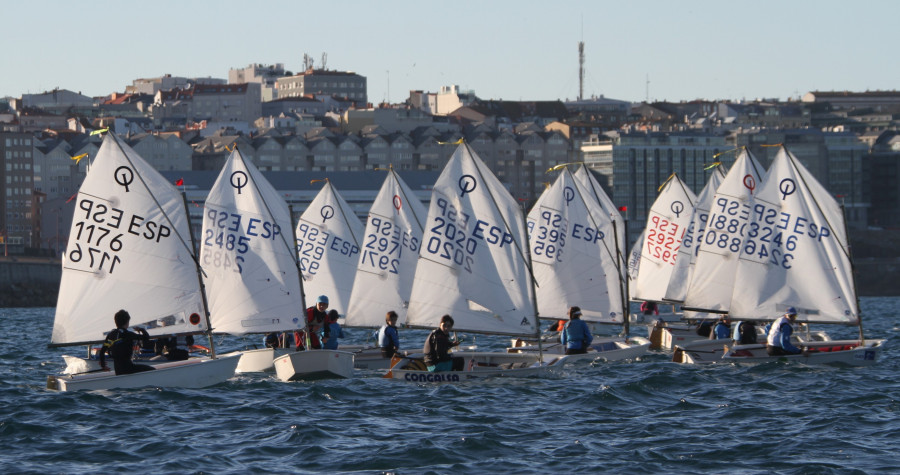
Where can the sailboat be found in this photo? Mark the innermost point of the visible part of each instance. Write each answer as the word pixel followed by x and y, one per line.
pixel 328 243
pixel 668 221
pixel 328 246
pixel 576 261
pixel 669 333
pixel 474 266
pixel 387 263
pixel 715 257
pixel 130 247
pixel 247 253
pixel 795 253
pixel 667 224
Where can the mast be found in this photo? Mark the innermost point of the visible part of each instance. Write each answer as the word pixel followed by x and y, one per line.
pixel 862 337
pixel 300 274
pixel 623 281
pixel 537 321
pixel 212 345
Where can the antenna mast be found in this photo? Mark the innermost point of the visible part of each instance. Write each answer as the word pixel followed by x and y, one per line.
pixel 581 70
pixel 647 99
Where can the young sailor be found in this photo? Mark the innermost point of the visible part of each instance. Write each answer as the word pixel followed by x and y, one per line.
pixel 778 341
pixel 120 344
pixel 333 331
pixel 437 348
pixel 576 336
pixel 388 336
pixel 744 333
pixel 316 318
pixel 722 330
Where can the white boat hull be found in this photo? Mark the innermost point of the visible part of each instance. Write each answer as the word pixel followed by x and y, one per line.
pixel 259 360
pixel 77 364
pixel 192 373
pixel 711 351
pixel 847 352
pixel 370 358
pixel 479 365
pixel 314 364
pixel 610 349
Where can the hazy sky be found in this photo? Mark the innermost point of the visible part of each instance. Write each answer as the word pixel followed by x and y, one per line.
pixel 514 50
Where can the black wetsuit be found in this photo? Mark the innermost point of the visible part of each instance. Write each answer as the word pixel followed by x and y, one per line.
pixel 120 345
pixel 437 350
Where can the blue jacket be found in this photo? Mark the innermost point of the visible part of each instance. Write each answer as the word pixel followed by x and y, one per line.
pixel 334 332
pixel 388 337
pixel 721 331
pixel 576 335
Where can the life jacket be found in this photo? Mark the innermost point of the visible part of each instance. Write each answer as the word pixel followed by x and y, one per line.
pixel 120 347
pixel 774 336
pixel 384 341
pixel 747 333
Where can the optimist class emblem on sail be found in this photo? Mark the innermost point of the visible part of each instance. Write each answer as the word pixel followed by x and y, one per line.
pixel 239 180
pixel 467 184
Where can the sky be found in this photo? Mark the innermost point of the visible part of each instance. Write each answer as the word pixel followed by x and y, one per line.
pixel 512 50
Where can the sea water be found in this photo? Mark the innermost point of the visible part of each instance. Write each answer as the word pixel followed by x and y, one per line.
pixel 645 416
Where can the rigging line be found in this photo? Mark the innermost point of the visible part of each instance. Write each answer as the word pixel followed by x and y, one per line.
pixel 594 185
pixel 503 216
pixel 190 249
pixel 341 204
pixel 299 270
pixel 665 182
pixel 684 189
pixel 594 221
pixel 396 177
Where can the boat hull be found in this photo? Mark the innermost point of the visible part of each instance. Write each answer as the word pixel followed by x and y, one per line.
pixel 711 351
pixel 370 358
pixel 846 352
pixel 77 364
pixel 479 365
pixel 609 349
pixel 258 360
pixel 314 364
pixel 192 373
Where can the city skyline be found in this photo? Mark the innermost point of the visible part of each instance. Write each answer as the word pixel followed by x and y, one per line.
pixel 500 50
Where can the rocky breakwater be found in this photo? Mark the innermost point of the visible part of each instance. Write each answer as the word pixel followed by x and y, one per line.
pixel 29 281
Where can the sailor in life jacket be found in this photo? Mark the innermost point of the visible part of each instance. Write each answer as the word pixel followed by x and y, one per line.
pixel 576 336
pixel 388 336
pixel 778 341
pixel 316 319
pixel 120 344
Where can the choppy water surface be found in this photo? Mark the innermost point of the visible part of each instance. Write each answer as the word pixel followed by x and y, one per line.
pixel 648 416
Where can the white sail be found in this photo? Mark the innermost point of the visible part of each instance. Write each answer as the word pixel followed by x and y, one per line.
pixel 390 252
pixel 684 263
pixel 718 246
pixel 573 252
pixel 634 264
pixel 473 263
pixel 795 251
pixel 247 254
pixel 667 223
pixel 584 176
pixel 129 248
pixel 328 243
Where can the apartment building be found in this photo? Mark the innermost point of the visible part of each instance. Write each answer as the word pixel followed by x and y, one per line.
pixel 324 82
pixel 215 103
pixel 266 75
pixel 17 208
